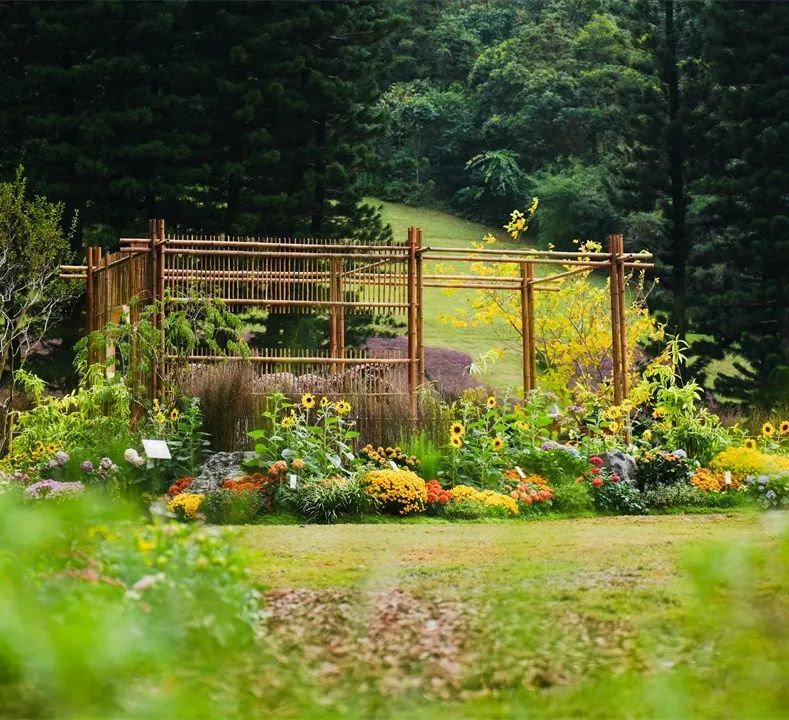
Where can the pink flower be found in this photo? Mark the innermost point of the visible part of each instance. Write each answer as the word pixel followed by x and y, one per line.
pixel 596 460
pixel 615 478
pixel 595 471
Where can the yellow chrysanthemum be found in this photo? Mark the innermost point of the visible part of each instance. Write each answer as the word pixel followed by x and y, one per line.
pixel 308 401
pixel 497 443
pixel 156 405
pixel 455 441
pixel 658 412
pixel 491 401
pixel 784 427
pixel 456 428
pixel 768 430
pixel 750 443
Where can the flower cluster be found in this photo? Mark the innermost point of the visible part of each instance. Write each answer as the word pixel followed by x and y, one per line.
pixel 186 505
pixel 52 489
pixel 399 492
pixel 256 481
pixel 132 457
pixel 711 481
pixel 58 461
pixel 384 456
pixel 465 493
pixel 179 486
pixel 771 491
pixel 530 493
pixel 436 495
pixel 744 461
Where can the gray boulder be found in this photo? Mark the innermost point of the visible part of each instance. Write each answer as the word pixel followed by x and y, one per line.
pixel 622 464
pixel 218 468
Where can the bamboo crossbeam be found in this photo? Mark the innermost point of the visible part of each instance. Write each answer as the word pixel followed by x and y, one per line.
pixel 213 245
pixel 515 260
pixel 266 254
pixel 530 254
pixel 299 303
pixel 286 359
pixel 556 276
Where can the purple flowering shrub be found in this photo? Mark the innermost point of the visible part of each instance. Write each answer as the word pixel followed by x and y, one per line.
pixel 53 490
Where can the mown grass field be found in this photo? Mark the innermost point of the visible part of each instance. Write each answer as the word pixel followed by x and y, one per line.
pixel 674 616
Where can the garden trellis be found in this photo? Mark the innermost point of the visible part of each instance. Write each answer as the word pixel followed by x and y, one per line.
pixel 337 277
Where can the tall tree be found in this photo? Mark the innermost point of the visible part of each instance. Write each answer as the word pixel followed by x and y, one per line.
pixel 744 264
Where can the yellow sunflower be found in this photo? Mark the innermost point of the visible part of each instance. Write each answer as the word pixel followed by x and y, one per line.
pixel 456 441
pixel 750 443
pixel 324 402
pixel 52 448
pixel 288 421
pixel 784 427
pixel 521 425
pixel 491 401
pixel 343 407
pixel 497 443
pixel 174 415
pixel 768 430
pixel 456 428
pixel 308 401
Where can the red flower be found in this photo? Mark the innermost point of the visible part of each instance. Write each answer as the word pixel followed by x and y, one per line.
pixel 597 482
pixel 596 460
pixel 615 478
pixel 595 471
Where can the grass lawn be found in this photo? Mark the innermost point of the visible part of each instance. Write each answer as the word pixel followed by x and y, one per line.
pixel 445 230
pixel 672 616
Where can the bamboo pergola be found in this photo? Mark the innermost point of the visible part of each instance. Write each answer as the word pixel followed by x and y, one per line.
pixel 336 277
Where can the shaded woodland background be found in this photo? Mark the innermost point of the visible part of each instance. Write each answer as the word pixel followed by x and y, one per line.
pixel 667 121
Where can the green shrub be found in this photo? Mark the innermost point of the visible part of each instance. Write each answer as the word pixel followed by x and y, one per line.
pixel 662 468
pixel 559 464
pixel 100 617
pixel 233 507
pixel 328 500
pixel 571 497
pixel 473 510
pixel 616 497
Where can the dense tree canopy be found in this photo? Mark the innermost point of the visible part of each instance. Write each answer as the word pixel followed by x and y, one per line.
pixel 662 119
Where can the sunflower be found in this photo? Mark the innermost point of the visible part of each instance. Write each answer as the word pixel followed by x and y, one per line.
pixel 750 443
pixel 343 407
pixel 521 425
pixel 784 427
pixel 52 448
pixel 324 402
pixel 288 421
pixel 456 441
pixel 174 415
pixel 160 418
pixel 497 443
pixel 308 401
pixel 39 447
pixel 456 428
pixel 768 430
pixel 491 401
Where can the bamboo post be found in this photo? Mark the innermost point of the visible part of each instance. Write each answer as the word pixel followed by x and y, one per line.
pixel 333 314
pixel 153 292
pixel 420 310
pixel 616 338
pixel 90 302
pixel 413 363
pixel 527 327
pixel 622 294
pixel 160 260
pixel 340 309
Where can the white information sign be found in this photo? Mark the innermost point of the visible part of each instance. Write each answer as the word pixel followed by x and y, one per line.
pixel 157 449
pixel 520 472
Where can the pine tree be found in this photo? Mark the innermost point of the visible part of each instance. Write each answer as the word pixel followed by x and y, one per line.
pixel 745 265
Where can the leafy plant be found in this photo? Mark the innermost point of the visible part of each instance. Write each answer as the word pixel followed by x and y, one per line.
pixel 232 507
pixel 610 494
pixel 770 491
pixel 662 468
pixel 329 499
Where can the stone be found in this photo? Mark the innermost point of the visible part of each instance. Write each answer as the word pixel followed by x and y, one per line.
pixel 622 464
pixel 220 467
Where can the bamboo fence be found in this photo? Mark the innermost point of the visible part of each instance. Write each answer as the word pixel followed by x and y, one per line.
pixel 335 278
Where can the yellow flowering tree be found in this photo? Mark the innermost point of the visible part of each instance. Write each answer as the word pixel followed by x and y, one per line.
pixel 572 325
